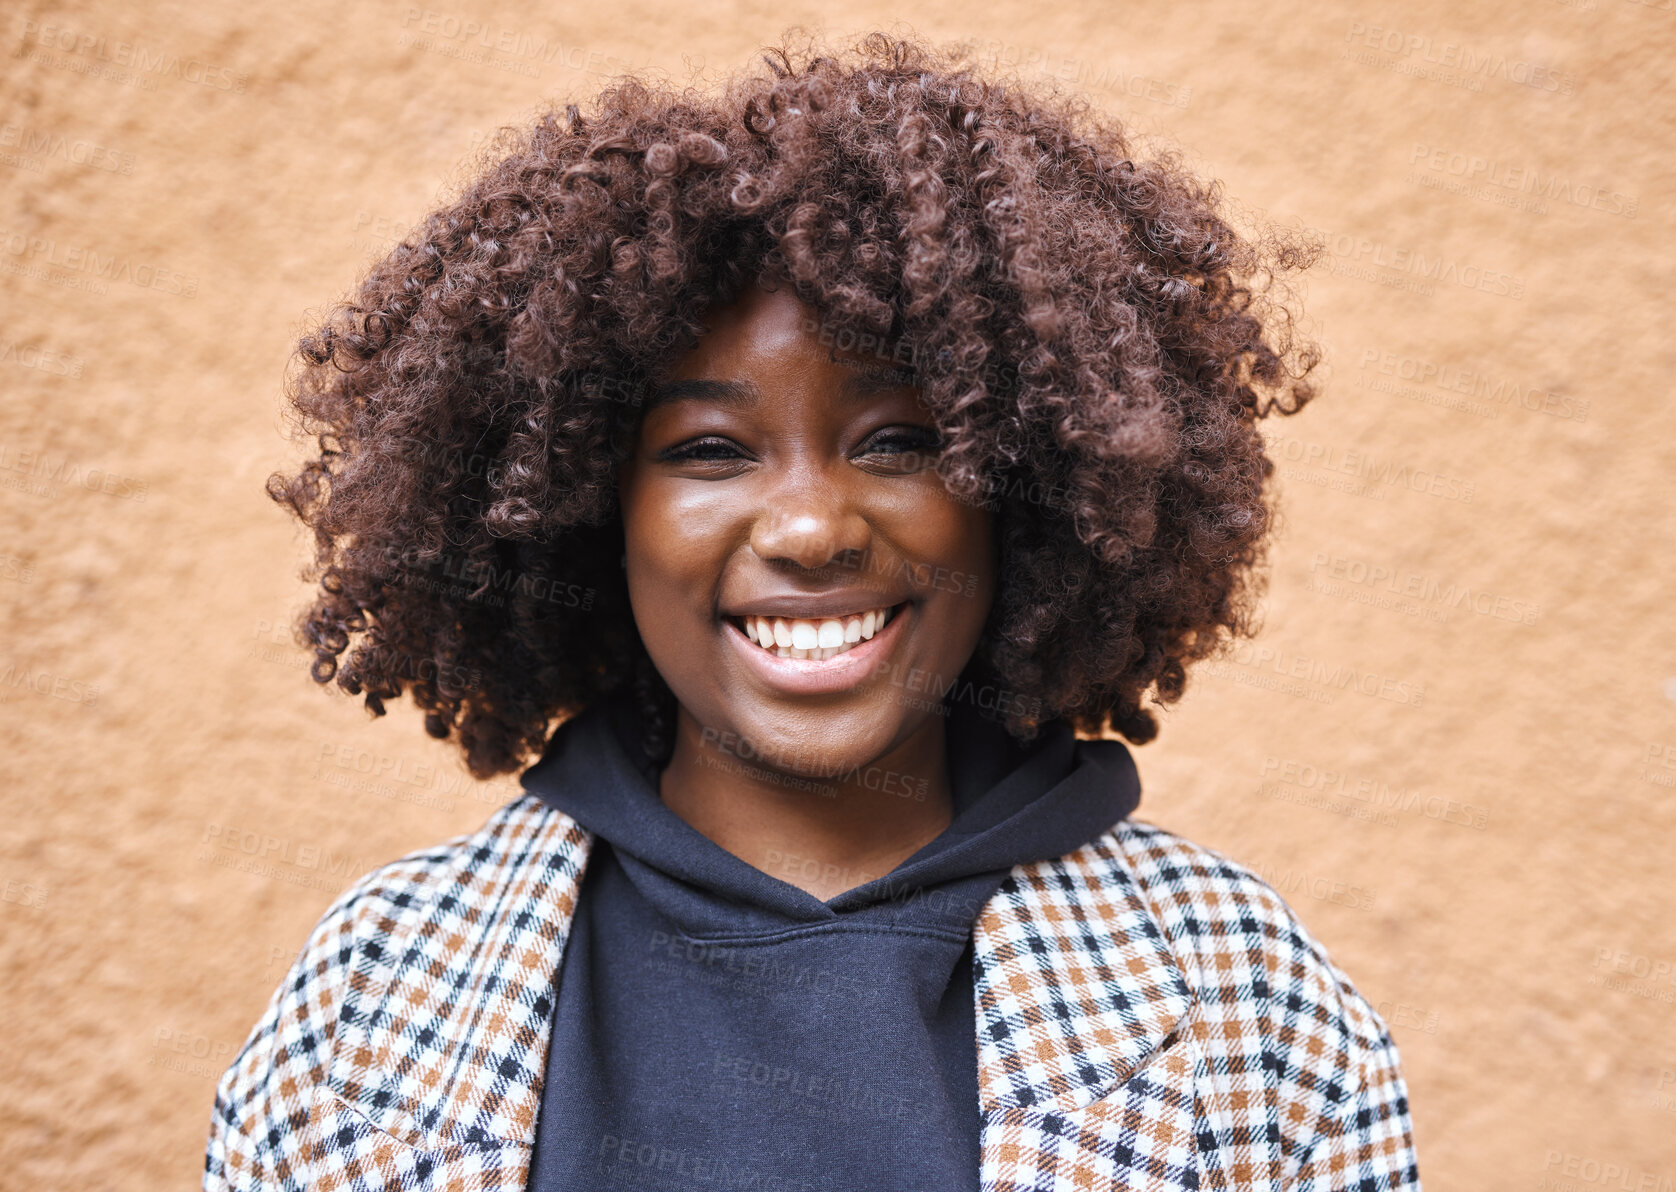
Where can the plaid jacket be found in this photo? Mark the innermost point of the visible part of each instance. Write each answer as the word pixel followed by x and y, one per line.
pixel 1150 1016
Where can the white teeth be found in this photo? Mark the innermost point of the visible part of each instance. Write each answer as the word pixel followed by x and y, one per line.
pixel 802 637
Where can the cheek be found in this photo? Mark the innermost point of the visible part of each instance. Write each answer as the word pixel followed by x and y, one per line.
pixel 666 600
pixel 677 539
pixel 979 549
pixel 663 558
pixel 957 540
pixel 666 563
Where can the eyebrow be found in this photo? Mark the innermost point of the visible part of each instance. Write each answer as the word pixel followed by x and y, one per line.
pixel 866 381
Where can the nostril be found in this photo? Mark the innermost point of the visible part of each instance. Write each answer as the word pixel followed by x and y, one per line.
pixel 811 540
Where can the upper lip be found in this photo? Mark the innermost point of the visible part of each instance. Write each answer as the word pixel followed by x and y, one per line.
pixel 847 602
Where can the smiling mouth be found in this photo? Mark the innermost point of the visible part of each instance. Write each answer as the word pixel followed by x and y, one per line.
pixel 814 638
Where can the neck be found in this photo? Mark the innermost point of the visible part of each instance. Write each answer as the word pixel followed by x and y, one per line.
pixel 824 829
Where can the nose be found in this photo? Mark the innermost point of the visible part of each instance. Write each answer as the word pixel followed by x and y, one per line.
pixel 810 525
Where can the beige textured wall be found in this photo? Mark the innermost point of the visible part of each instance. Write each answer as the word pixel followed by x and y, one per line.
pixel 1453 747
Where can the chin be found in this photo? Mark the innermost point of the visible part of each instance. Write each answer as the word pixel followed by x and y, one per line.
pixel 805 742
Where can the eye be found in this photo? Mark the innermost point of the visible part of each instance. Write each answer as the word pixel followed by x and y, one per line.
pixel 710 449
pixel 901 449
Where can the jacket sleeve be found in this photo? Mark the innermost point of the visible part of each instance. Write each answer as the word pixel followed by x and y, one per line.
pixel 1369 1146
pixel 262 1101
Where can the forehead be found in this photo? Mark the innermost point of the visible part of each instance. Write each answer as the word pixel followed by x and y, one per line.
pixel 763 332
pixel 862 381
pixel 761 321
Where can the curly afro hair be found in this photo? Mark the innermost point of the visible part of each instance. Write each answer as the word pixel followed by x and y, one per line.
pixel 1093 339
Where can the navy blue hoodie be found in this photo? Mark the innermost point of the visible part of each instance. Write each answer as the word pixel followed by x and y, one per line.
pixel 717 1027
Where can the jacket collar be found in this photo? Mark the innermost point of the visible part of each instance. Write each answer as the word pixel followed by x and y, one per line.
pixel 443 1035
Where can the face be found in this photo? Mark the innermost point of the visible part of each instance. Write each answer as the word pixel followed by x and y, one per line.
pixel 783 493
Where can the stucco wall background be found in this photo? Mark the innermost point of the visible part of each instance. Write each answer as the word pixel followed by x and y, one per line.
pixel 1453 748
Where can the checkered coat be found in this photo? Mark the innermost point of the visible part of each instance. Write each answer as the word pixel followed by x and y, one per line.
pixel 1149 1016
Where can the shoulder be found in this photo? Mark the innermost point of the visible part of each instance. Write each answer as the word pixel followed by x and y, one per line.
pixel 287 1052
pixel 380 902
pixel 1267 990
pixel 400 890
pixel 1222 918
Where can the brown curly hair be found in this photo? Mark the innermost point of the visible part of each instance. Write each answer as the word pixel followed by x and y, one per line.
pixel 1082 324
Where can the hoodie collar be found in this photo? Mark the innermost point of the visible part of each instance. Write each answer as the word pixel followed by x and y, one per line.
pixel 1013 803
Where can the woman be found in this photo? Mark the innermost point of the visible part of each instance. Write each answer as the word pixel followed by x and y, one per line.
pixel 823 457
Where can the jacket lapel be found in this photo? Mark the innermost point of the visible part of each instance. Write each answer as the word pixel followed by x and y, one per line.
pixel 1084 1075
pixel 436 1070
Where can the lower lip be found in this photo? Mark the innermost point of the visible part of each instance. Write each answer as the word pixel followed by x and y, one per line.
pixel 807 676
